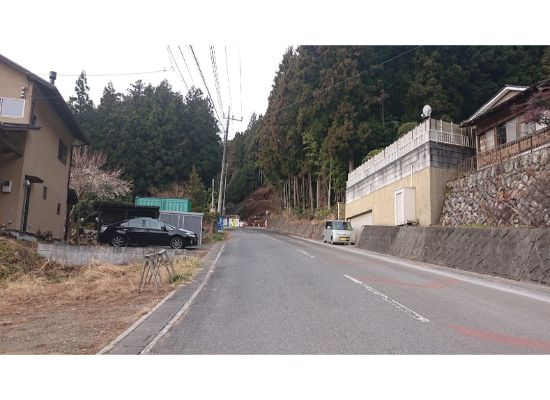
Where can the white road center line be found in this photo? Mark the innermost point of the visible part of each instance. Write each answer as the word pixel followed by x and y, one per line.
pixel 394 303
pixel 303 252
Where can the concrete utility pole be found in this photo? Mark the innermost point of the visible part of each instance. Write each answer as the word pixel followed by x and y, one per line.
pixel 224 186
pixel 212 209
pixel 220 194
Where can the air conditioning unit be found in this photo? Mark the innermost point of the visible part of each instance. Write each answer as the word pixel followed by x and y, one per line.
pixel 405 205
pixel 6 186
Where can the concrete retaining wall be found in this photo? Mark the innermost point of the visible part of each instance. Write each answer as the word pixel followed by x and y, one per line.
pixel 84 255
pixel 510 252
pixel 304 228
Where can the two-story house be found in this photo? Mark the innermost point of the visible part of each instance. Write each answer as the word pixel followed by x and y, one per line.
pixel 501 128
pixel 37 133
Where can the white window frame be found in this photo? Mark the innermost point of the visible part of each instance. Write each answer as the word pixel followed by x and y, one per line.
pixel 2 99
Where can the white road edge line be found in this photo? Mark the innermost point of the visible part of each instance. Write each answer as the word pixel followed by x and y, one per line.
pixel 461 275
pixel 110 346
pixel 184 308
pixel 394 303
pixel 303 252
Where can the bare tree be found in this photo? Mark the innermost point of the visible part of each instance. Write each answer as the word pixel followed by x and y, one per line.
pixel 175 189
pixel 90 176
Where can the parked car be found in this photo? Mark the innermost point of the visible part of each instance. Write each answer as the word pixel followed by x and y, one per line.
pixel 337 231
pixel 145 232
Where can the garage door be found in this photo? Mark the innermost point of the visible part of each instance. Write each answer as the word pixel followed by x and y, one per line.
pixel 359 220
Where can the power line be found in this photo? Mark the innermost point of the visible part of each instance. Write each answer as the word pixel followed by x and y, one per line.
pixel 186 66
pixel 111 74
pixel 177 66
pixel 320 91
pixel 228 82
pixel 240 82
pixel 216 77
pixel 205 85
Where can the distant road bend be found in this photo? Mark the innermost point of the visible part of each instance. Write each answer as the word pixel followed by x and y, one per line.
pixel 275 294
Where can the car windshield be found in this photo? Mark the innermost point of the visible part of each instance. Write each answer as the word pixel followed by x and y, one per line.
pixel 341 225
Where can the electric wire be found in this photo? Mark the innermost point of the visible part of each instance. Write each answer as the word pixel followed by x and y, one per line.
pixel 240 83
pixel 170 54
pixel 318 92
pixel 216 77
pixel 111 74
pixel 228 82
pixel 205 85
pixel 186 66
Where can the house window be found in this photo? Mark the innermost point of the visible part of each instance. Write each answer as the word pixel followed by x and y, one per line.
pixel 486 141
pixel 501 135
pixel 13 108
pixel 511 133
pixel 62 152
pixel 44 192
pixel 58 208
pixel 526 129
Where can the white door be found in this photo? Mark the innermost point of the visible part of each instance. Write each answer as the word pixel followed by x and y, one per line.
pixel 399 208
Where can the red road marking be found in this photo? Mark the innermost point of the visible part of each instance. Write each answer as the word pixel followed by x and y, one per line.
pixel 437 284
pixel 503 339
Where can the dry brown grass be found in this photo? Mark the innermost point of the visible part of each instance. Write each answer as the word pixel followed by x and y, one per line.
pixel 52 308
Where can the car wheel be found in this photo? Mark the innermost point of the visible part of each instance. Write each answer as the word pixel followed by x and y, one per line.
pixel 176 243
pixel 118 241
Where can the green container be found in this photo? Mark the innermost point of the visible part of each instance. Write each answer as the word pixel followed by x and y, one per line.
pixel 177 205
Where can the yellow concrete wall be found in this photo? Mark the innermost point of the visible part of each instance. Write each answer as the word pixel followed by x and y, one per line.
pixel 430 184
pixel 438 188
pixel 11 82
pixel 41 161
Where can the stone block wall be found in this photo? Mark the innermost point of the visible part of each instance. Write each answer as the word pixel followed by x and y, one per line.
pixel 514 193
pixel 522 254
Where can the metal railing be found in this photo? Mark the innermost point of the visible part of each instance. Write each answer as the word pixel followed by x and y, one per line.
pixel 152 266
pixel 506 151
pixel 430 130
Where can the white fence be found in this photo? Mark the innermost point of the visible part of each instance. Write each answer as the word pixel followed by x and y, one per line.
pixel 434 130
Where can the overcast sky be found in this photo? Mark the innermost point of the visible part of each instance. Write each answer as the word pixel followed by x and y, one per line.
pixel 258 67
pixel 121 37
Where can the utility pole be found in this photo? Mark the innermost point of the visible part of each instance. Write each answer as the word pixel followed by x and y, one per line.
pixel 212 204
pixel 223 178
pixel 220 194
pixel 225 186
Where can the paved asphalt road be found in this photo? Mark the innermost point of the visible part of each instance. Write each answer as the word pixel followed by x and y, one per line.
pixel 274 294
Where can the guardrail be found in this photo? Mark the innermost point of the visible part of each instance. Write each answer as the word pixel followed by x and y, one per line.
pixel 152 269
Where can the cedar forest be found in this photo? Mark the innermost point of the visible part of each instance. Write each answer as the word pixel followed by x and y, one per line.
pixel 330 108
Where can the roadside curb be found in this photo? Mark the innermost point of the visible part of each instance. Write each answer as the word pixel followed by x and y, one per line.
pixel 503 283
pixel 179 298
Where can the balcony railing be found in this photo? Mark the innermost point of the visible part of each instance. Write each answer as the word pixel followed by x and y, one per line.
pixel 429 130
pixel 506 151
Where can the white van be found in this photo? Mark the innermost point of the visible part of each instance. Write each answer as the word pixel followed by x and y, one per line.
pixel 337 231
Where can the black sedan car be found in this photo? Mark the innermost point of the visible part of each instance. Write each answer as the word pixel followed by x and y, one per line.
pixel 146 232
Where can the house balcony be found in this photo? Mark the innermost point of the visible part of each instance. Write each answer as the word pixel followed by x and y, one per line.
pixel 412 152
pixel 507 151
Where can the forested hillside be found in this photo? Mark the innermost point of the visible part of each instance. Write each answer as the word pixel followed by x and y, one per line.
pixel 332 106
pixel 154 134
